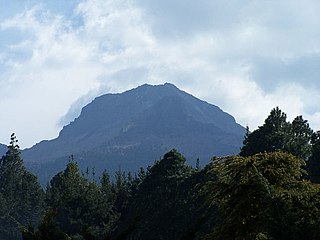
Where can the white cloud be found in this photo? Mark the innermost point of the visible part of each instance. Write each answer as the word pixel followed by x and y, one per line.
pixel 40 88
pixel 246 57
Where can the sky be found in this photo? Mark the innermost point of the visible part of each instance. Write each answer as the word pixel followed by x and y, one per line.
pixel 245 56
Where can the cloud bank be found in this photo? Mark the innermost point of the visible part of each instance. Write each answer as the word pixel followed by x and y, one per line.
pixel 244 56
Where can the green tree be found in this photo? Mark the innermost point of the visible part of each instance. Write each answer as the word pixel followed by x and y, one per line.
pixel 278 134
pixel 314 160
pixel 48 229
pixel 21 197
pixel 153 210
pixel 300 138
pixel 271 136
pixel 81 207
pixel 120 191
pixel 264 196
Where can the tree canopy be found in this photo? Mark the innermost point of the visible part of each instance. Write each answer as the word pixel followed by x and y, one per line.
pixel 264 196
pixel 21 197
pixel 278 134
pixel 314 161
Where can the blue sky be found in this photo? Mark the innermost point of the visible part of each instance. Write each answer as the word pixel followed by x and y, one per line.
pixel 244 56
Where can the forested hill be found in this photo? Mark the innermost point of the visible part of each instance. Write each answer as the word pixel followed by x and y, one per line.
pixel 137 127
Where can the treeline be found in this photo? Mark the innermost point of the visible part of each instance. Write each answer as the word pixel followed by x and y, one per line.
pixel 269 191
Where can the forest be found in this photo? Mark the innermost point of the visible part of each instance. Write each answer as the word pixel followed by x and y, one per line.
pixel 270 190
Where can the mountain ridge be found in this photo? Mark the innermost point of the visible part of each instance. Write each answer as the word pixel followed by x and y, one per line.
pixel 116 127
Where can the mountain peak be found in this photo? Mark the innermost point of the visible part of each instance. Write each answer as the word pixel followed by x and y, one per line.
pixel 165 85
pixel 137 126
pixel 163 89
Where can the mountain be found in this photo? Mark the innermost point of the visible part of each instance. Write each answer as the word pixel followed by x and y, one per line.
pixel 137 127
pixel 3 149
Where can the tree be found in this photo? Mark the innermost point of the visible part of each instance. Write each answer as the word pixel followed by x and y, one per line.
pixel 271 136
pixel 264 196
pixel 120 191
pixel 300 138
pixel 20 194
pixel 314 161
pixel 153 211
pixel 278 134
pixel 81 207
pixel 48 229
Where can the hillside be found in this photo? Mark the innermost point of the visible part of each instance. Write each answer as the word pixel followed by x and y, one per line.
pixel 128 130
pixel 3 149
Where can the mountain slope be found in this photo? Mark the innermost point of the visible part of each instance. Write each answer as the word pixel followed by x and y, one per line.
pixel 138 126
pixel 3 149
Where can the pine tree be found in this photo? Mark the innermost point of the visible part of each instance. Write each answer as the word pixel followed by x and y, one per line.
pixel 314 161
pixel 271 136
pixel 82 208
pixel 20 193
pixel 300 139
pixel 278 134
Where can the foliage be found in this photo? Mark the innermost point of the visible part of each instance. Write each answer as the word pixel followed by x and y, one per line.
pixel 272 136
pixel 264 197
pixel 253 196
pixel 300 139
pixel 48 229
pixel 81 207
pixel 21 197
pixel 278 134
pixel 314 161
pixel 167 204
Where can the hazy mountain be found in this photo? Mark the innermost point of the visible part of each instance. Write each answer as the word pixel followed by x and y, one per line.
pixel 134 128
pixel 3 149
